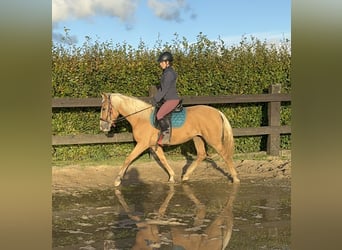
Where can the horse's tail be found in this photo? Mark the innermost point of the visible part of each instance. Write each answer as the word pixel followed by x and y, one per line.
pixel 227 138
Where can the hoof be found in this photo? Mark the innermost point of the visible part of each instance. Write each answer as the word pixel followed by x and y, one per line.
pixel 236 180
pixel 172 180
pixel 117 182
pixel 185 178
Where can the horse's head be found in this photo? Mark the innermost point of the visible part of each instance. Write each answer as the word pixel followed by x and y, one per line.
pixel 108 113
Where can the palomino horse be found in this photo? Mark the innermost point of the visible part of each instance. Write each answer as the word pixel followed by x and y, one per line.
pixel 203 123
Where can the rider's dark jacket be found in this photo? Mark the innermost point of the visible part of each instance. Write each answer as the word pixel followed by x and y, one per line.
pixel 167 89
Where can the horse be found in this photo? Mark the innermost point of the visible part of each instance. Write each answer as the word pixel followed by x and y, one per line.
pixel 203 124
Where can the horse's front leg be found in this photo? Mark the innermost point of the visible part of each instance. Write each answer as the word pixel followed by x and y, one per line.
pixel 139 148
pixel 160 154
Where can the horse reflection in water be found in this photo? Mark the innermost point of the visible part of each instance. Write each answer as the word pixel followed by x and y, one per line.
pixel 215 236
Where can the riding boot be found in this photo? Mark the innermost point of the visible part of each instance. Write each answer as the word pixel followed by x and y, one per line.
pixel 164 135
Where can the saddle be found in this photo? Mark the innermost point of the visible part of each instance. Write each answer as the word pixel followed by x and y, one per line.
pixel 173 114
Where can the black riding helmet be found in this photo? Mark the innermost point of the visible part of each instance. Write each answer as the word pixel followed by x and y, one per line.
pixel 165 56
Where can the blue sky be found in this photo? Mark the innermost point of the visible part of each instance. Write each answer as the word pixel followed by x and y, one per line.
pixel 132 21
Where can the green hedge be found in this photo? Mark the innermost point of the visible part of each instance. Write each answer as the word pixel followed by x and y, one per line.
pixel 205 68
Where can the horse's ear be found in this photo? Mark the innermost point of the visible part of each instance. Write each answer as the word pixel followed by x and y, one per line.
pixel 104 96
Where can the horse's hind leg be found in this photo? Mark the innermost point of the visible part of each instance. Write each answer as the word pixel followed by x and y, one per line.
pixel 201 155
pixel 229 161
pixel 160 153
pixel 227 155
pixel 225 149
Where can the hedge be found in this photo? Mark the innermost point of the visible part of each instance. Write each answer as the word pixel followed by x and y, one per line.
pixel 205 67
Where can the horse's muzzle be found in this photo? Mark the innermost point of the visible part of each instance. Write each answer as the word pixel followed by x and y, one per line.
pixel 105 126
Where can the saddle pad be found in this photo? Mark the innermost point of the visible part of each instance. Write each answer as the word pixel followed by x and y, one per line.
pixel 177 118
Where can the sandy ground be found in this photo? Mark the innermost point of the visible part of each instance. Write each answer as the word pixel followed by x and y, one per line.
pixel 75 177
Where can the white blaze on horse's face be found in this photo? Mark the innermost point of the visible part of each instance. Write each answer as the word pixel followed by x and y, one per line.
pixel 108 114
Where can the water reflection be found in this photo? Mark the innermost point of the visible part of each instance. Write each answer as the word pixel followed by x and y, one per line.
pixel 198 215
pixel 202 234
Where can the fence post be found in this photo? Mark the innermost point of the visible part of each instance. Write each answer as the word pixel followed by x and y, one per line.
pixel 273 110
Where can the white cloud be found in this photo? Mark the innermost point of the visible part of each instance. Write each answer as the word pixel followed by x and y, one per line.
pixel 63 10
pixel 169 10
pixel 74 9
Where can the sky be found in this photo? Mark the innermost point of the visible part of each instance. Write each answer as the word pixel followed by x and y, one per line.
pixel 133 21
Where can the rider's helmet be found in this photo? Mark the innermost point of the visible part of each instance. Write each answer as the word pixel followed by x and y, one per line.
pixel 165 56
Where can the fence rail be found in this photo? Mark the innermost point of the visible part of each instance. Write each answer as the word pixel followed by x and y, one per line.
pixel 273 130
pixel 187 100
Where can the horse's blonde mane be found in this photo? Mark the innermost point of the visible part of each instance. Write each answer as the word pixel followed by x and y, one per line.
pixel 129 104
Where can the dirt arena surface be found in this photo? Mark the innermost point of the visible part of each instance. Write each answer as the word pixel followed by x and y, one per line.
pixel 76 177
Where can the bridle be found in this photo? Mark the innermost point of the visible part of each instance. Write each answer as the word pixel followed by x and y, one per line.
pixel 109 113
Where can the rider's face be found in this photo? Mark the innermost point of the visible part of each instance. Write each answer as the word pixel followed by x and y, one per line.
pixel 163 64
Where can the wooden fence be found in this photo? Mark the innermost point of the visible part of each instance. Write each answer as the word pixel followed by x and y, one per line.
pixel 273 130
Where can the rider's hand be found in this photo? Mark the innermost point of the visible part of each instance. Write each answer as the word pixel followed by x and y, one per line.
pixel 153 102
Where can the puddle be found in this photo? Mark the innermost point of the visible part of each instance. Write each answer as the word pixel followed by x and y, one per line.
pixel 197 215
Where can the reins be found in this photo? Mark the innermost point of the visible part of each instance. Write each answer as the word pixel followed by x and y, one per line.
pixel 124 117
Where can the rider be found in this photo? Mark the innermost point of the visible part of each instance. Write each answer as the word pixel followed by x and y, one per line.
pixel 166 96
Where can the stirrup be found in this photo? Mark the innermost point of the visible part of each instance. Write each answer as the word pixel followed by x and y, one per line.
pixel 164 138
